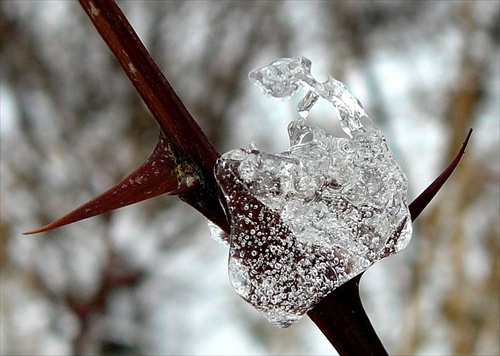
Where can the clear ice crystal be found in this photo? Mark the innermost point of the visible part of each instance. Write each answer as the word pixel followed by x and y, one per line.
pixel 218 234
pixel 307 220
pixel 285 77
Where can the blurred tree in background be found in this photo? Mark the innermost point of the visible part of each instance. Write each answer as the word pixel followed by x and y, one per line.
pixel 147 278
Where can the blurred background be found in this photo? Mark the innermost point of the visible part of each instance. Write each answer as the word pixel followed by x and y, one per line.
pixel 148 279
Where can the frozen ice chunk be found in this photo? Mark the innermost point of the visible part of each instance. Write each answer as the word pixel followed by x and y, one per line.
pixel 307 220
pixel 285 77
pixel 282 78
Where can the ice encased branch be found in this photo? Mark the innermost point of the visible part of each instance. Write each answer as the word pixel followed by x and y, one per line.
pixel 307 220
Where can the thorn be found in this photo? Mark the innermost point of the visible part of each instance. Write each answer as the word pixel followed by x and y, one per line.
pixel 158 175
pixel 419 204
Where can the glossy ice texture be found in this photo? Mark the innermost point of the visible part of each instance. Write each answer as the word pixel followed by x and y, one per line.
pixel 309 219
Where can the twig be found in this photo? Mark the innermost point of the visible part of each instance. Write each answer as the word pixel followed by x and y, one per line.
pixel 186 139
pixel 183 160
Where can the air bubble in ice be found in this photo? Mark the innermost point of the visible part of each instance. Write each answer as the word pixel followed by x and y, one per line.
pixel 307 220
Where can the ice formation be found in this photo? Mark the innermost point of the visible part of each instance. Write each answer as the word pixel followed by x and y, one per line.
pixel 307 220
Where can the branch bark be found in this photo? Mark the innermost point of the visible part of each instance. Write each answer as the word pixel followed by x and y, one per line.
pixel 343 320
pixel 183 160
pixel 186 139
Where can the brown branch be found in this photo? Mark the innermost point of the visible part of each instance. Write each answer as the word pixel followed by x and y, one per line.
pixel 187 140
pixel 343 320
pixel 190 154
pixel 179 127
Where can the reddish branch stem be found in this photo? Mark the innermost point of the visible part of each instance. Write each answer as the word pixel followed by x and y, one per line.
pixel 187 140
pixel 343 320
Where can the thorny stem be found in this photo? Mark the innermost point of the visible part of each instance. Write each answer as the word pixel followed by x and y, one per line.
pixel 160 174
pixel 183 160
pixel 186 139
pixel 343 320
pixel 340 315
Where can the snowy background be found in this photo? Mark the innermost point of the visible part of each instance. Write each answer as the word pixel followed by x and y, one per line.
pixel 148 279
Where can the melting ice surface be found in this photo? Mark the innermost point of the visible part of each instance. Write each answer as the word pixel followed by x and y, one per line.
pixel 307 220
